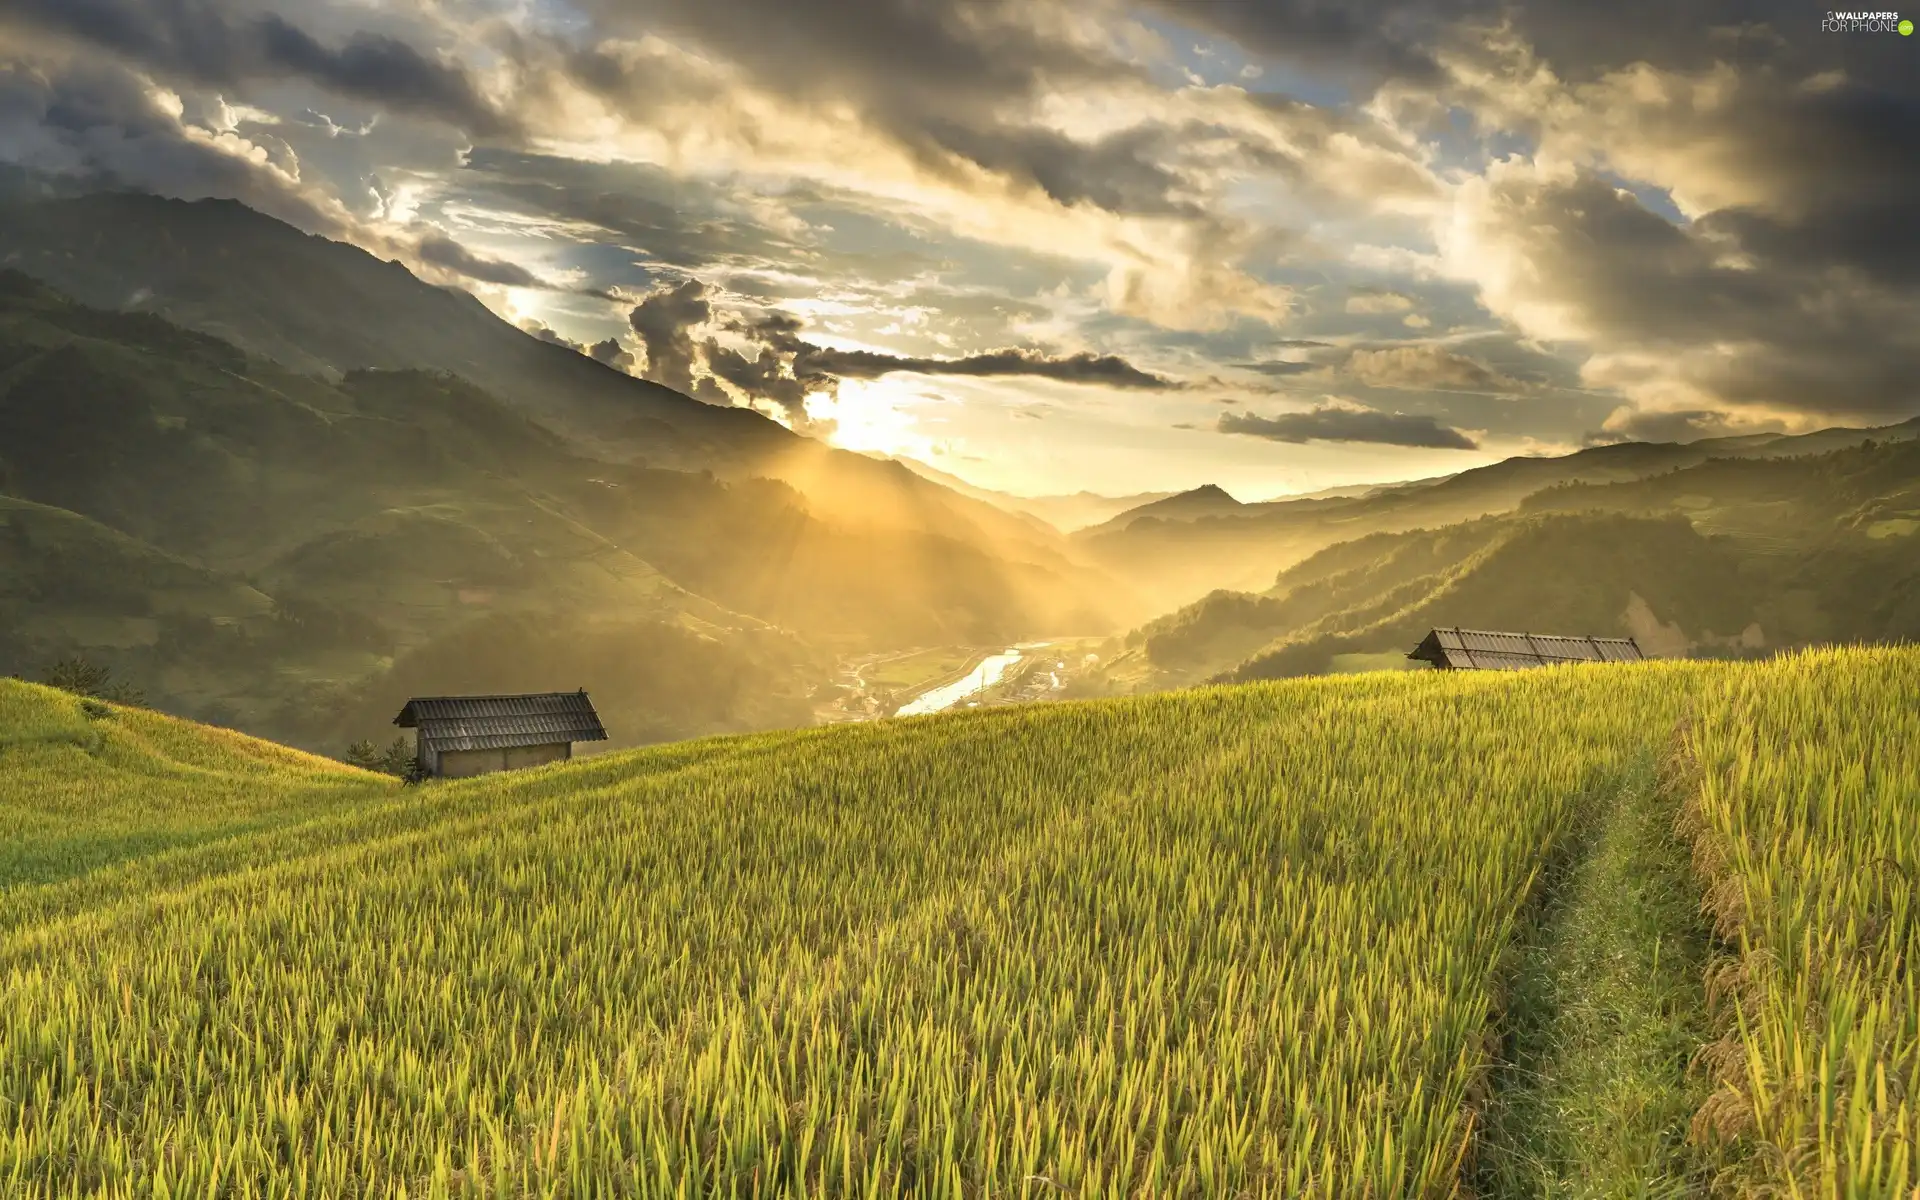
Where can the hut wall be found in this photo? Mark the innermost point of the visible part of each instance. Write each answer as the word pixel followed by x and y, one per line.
pixel 534 756
pixel 461 764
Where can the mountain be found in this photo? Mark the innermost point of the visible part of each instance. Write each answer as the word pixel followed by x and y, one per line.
pixel 325 309
pixel 1208 500
pixel 282 551
pixel 1079 510
pixel 1065 513
pixel 1186 554
pixel 1731 555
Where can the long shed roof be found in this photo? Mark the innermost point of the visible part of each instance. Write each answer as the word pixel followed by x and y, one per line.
pixel 499 722
pixel 1487 650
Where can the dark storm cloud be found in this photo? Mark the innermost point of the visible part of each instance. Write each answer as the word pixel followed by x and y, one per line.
pixel 1330 423
pixel 443 251
pixel 1279 367
pixel 207 43
pixel 1841 194
pixel 687 223
pixel 97 121
pixel 664 321
pixel 938 79
pixel 613 354
pixel 1402 39
pixel 1753 322
pixel 1583 41
pixel 1107 369
pixel 780 366
pixel 1426 367
pixel 1366 41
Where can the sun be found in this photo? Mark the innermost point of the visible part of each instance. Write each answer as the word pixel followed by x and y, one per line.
pixel 873 417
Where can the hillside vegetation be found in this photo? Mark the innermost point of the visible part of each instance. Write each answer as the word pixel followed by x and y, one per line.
pixel 1280 939
pixel 286 553
pixel 1725 557
pixel 1203 541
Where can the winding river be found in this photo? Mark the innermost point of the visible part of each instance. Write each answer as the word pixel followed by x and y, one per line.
pixel 990 671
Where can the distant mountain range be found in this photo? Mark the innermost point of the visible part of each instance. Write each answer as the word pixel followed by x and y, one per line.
pixel 1065 513
pixel 1205 501
pixel 259 472
pixel 1204 540
pixel 325 308
pixel 1744 553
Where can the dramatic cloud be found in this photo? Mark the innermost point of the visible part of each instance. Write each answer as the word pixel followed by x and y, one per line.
pixel 1363 43
pixel 610 352
pixel 1694 215
pixel 767 376
pixel 540 330
pixel 1630 425
pixel 443 251
pixel 1280 367
pixel 1345 423
pixel 1721 238
pixel 1696 317
pixel 1428 368
pixel 1107 369
pixel 664 321
pixel 98 122
pixel 205 42
pixel 613 354
pixel 781 367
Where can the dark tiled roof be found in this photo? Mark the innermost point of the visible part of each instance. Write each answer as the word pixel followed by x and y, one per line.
pixel 498 722
pixel 1486 650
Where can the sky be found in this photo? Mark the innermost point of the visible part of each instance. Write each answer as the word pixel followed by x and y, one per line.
pixel 1063 245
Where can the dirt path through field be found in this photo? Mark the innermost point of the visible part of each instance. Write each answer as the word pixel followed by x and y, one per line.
pixel 1605 1009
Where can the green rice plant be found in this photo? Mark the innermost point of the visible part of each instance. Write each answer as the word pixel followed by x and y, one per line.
pixel 85 784
pixel 1805 814
pixel 1233 941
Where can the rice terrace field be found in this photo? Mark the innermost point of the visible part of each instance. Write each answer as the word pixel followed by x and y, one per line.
pixel 1617 931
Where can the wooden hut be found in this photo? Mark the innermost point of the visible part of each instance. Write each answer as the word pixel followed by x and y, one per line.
pixel 1486 650
pixel 458 736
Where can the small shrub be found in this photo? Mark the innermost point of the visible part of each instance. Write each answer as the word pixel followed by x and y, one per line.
pixel 397 759
pixel 89 679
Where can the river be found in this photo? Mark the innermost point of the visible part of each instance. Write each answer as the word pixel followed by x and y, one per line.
pixel 990 671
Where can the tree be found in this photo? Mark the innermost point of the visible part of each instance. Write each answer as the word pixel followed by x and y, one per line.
pixel 83 678
pixel 397 759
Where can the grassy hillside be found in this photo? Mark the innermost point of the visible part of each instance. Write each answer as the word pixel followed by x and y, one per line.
pixel 283 552
pixel 87 786
pixel 1728 556
pixel 323 309
pixel 1283 939
pixel 1186 549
